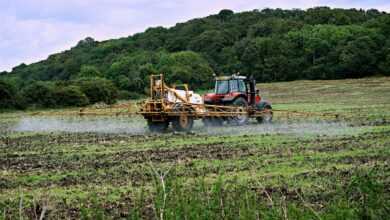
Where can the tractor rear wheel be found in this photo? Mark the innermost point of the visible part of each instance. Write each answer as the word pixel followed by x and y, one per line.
pixel 267 115
pixel 240 119
pixel 157 126
pixel 183 123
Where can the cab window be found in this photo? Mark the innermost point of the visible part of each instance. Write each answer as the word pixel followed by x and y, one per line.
pixel 242 86
pixel 221 87
pixel 233 85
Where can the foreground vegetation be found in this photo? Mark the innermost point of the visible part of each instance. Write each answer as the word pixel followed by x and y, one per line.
pixel 272 44
pixel 268 175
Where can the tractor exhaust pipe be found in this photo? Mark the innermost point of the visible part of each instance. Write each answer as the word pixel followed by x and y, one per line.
pixel 252 90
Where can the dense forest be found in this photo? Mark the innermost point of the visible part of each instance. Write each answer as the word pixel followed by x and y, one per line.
pixel 271 44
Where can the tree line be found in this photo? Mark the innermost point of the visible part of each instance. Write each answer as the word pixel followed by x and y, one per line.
pixel 271 44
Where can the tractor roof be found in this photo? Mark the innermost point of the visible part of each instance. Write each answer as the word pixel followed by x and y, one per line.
pixel 234 76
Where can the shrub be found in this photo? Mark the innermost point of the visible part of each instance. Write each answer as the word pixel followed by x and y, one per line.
pixel 134 95
pixel 89 72
pixel 7 95
pixel 124 95
pixel 70 96
pixel 40 94
pixel 98 90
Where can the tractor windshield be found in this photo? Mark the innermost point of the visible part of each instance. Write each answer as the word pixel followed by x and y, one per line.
pixel 221 87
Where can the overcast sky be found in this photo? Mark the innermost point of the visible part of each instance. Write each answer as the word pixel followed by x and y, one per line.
pixel 30 30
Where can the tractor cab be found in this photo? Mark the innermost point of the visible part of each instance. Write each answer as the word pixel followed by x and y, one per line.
pixel 229 89
pixel 225 85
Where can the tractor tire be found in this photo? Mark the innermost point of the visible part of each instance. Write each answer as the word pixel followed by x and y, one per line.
pixel 240 119
pixel 182 123
pixel 157 126
pixel 267 117
pixel 212 122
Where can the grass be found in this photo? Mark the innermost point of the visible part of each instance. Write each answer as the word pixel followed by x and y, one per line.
pixel 340 174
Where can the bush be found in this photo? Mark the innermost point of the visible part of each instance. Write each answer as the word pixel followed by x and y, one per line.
pixel 40 94
pixel 89 72
pixel 7 95
pixel 70 96
pixel 187 67
pixel 98 90
pixel 134 95
pixel 124 95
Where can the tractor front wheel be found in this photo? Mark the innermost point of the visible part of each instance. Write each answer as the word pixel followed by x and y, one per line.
pixel 182 123
pixel 242 118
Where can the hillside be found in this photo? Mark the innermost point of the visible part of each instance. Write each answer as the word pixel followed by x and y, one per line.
pixel 272 44
pixel 295 168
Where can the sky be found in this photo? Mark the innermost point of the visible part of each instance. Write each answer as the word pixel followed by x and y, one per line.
pixel 30 30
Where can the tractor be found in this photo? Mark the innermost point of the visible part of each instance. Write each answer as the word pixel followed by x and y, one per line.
pixel 236 90
pixel 235 101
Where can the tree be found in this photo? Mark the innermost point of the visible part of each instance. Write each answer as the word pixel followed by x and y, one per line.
pixel 257 58
pixel 39 93
pixel 384 24
pixel 385 65
pixel 152 38
pixel 272 26
pixel 87 43
pixel 210 43
pixel 186 67
pixel 131 72
pixel 272 44
pixel 89 72
pixel 98 90
pixel 7 95
pixel 70 96
pixel 225 14
pixel 358 57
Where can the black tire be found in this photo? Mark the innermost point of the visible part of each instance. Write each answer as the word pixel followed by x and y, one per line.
pixel 212 122
pixel 267 117
pixel 241 119
pixel 157 126
pixel 182 123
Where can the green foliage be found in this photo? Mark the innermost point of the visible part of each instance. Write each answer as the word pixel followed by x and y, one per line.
pixel 40 94
pixel 10 98
pixel 363 199
pixel 7 95
pixel 125 95
pixel 70 96
pixel 131 72
pixel 225 14
pixel 358 57
pixel 98 90
pixel 87 42
pixel 271 44
pixel 186 67
pixel 385 63
pixel 367 195
pixel 89 72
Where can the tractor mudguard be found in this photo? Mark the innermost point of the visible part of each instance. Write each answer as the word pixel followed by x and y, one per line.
pixel 232 97
pixel 228 99
pixel 262 104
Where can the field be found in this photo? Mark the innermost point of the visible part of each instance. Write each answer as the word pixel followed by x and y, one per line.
pixel 298 167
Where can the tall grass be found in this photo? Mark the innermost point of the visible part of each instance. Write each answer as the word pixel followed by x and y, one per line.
pixel 171 197
pixel 363 197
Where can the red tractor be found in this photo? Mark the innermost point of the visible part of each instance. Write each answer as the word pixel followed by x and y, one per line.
pixel 237 90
